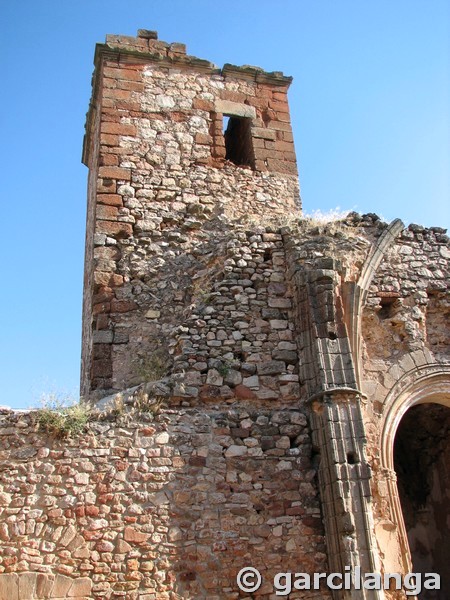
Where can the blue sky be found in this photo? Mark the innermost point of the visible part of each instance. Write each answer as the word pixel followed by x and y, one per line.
pixel 369 106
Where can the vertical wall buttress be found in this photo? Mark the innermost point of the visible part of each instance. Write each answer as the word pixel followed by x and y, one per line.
pixel 328 371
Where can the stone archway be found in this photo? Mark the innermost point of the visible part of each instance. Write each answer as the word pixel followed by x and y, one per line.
pixel 422 466
pixel 407 412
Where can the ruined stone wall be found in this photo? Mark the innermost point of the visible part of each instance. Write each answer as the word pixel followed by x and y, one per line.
pixel 407 308
pixel 174 505
pixel 406 334
pixel 165 194
pixel 166 506
pixel 284 353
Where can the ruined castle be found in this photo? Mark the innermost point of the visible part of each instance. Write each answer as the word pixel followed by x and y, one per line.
pixel 270 392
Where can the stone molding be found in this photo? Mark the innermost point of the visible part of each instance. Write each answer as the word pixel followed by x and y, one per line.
pixel 344 477
pixel 422 384
pixel 355 295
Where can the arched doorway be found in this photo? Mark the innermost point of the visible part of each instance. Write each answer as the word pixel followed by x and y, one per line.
pixel 422 466
pixel 428 384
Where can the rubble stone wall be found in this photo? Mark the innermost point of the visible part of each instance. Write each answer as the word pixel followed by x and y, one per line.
pixel 176 503
pixel 166 506
pixel 286 352
pixel 163 191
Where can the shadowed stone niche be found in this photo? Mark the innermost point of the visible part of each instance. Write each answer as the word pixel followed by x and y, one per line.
pixel 422 463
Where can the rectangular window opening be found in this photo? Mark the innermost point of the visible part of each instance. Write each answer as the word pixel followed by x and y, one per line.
pixel 238 141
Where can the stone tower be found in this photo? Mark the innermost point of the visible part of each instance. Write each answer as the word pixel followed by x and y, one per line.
pixel 204 286
pixel 176 147
pixel 271 392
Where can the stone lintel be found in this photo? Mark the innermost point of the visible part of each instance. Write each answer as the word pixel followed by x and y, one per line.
pixel 236 109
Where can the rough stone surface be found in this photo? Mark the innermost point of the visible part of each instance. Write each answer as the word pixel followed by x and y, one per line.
pixel 196 505
pixel 249 367
pixel 163 198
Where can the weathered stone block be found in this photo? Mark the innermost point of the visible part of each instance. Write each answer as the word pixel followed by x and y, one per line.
pixel 280 302
pixel 237 109
pixel 115 173
pixel 44 584
pixel 287 356
pixel 233 451
pixel 103 337
pixel 9 586
pixel 251 382
pixel 263 133
pixel 80 587
pixel 214 378
pixel 133 536
pixel 61 586
pixel 278 323
pixel 273 367
pixel 232 377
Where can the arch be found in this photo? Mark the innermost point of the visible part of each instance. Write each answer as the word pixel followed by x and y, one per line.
pixel 429 383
